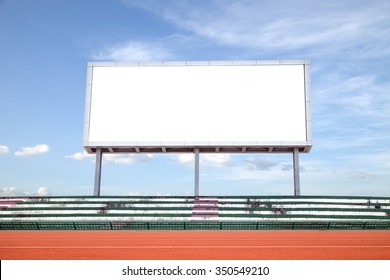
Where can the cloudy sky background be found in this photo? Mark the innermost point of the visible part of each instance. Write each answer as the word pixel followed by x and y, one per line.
pixel 45 46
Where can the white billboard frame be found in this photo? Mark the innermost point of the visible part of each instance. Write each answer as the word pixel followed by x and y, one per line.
pixel 303 143
pixel 185 146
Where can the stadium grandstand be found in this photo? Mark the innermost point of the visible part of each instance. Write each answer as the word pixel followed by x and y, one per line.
pixel 194 213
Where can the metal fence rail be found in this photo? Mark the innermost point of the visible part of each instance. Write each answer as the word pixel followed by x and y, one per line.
pixel 193 225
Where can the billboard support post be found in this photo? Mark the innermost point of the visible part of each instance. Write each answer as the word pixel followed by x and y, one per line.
pixel 297 187
pixel 98 171
pixel 196 187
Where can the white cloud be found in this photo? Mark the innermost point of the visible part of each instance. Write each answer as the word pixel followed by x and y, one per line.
pixel 42 191
pixel 362 95
pixel 29 151
pixel 127 158
pixel 144 194
pixel 162 194
pixel 266 25
pixel 115 158
pixel 273 176
pixel 120 158
pixel 185 159
pixel 220 160
pixel 217 159
pixel 9 191
pixel 13 191
pixel 287 167
pixel 134 194
pixel 361 175
pixel 81 155
pixel 134 51
pixel 376 161
pixel 260 163
pixel 351 113
pixel 4 149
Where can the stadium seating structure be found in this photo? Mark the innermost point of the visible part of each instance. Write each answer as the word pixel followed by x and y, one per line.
pixel 194 213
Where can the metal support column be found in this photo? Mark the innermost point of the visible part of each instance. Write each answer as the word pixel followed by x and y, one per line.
pixel 196 191
pixel 98 171
pixel 297 187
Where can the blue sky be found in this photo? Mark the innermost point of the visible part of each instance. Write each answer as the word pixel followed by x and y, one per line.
pixel 45 46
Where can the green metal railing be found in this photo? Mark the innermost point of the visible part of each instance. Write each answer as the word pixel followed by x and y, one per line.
pixel 192 225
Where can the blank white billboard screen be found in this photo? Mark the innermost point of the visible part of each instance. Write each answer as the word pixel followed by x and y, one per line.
pixel 196 105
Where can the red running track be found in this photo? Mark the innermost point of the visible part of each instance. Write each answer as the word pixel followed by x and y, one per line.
pixel 195 245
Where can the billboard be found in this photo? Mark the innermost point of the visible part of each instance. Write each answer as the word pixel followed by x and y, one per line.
pixel 216 106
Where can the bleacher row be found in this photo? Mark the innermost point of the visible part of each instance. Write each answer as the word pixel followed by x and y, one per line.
pixel 192 213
